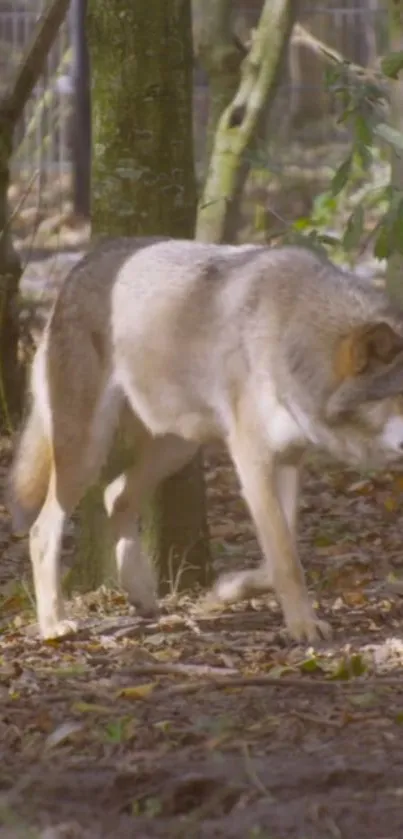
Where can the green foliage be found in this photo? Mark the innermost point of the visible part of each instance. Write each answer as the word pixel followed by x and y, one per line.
pixel 374 211
pixel 392 64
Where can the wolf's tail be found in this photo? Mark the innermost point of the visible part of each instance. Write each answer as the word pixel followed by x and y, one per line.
pixel 30 471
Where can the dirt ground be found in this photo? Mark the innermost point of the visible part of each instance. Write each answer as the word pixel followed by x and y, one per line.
pixel 202 725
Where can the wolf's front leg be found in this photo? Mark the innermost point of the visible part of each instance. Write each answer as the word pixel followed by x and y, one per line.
pixel 263 486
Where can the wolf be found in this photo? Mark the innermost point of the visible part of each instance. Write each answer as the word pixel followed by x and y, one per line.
pixel 270 350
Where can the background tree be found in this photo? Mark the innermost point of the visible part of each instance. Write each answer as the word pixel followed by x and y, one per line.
pixel 238 125
pixel 395 262
pixel 81 111
pixel 143 183
pixel 12 103
pixel 220 53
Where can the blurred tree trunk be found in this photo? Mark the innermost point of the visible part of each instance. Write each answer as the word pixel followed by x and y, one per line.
pixel 394 279
pixel 81 116
pixel 143 183
pixel 220 54
pixel 238 125
pixel 13 101
pixel 10 273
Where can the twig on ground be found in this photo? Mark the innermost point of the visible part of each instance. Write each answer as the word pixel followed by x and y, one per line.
pixel 252 774
pixel 179 670
pixel 301 715
pixel 301 684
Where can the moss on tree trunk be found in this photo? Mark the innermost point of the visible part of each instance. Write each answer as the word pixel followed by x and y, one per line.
pixel 10 272
pixel 143 183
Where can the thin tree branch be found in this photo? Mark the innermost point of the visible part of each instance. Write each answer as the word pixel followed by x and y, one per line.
pixel 301 36
pixel 31 67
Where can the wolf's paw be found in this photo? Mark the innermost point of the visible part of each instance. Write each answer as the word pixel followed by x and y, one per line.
pixel 145 609
pixel 303 625
pixel 60 629
pixel 227 589
pixel 141 594
pixel 234 586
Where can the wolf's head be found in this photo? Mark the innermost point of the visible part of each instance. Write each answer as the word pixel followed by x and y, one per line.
pixel 365 406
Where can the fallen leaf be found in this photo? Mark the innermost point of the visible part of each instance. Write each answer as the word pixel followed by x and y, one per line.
pixel 310 665
pixel 90 708
pixel 137 691
pixel 62 733
pixel 279 670
pixel 354 598
pixel 364 700
pixel 349 667
pixel 390 504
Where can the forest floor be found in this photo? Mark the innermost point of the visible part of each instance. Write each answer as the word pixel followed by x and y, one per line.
pixel 198 725
pixel 213 725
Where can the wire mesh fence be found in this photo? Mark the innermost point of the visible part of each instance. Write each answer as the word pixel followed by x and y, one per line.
pixel 41 139
pixel 42 144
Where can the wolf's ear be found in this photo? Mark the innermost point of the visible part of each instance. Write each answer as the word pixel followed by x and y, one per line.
pixel 366 349
pixel 376 352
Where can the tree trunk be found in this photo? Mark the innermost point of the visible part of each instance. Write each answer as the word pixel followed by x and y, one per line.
pixel 143 184
pixel 394 278
pixel 220 54
pixel 239 123
pixel 10 273
pixel 81 116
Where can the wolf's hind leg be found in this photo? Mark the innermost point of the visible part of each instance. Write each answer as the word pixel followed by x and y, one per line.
pixel 158 458
pixel 45 539
pixel 79 448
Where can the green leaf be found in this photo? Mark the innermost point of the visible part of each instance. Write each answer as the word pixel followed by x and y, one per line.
pixel 349 667
pixel 354 228
pixel 390 237
pixel 363 130
pixel 391 64
pixel 364 155
pixel 329 239
pixel 310 665
pixel 302 223
pixel 341 175
pixel 260 220
pixel 382 245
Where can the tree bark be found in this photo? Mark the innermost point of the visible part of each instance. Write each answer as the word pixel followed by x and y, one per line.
pixel 143 183
pixel 238 124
